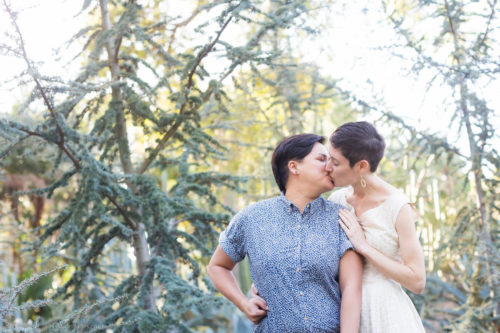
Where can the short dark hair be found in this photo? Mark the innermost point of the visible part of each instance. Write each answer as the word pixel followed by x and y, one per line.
pixel 359 141
pixel 293 148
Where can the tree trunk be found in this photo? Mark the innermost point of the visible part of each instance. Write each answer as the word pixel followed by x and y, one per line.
pixel 476 154
pixel 141 248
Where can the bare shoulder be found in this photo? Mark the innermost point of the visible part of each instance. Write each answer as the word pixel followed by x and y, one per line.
pixel 406 218
pixel 333 205
pixel 338 196
pixel 392 190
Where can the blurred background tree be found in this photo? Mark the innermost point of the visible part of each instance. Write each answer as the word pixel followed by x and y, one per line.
pixel 127 173
pixel 132 144
pixel 461 52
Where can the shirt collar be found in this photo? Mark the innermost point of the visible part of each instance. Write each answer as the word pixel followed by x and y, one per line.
pixel 311 207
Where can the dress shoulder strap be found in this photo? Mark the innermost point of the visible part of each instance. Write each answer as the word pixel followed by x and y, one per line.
pixel 339 197
pixel 398 200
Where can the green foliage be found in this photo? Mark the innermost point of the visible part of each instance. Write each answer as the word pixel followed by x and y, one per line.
pixel 174 111
pixel 33 288
pixel 462 240
pixel 151 108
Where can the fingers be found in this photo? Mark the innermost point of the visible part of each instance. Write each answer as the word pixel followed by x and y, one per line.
pixel 347 213
pixel 347 216
pixel 343 225
pixel 344 221
pixel 256 309
pixel 260 302
pixel 254 290
pixel 348 219
pixel 257 315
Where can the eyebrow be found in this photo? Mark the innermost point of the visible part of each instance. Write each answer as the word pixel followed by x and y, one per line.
pixel 333 158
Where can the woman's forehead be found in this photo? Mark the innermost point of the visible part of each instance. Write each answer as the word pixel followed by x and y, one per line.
pixel 336 153
pixel 319 148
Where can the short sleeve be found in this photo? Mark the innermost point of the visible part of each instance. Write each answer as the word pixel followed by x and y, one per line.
pixel 344 243
pixel 338 197
pixel 232 240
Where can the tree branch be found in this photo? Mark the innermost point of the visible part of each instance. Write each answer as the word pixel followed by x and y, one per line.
pixel 112 47
pixel 252 43
pixel 392 117
pixel 425 59
pixel 188 20
pixel 122 211
pixel 60 143
pixel 490 18
pixel 31 72
pixel 171 131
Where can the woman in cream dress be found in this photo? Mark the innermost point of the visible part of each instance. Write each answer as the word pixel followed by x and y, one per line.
pixel 380 223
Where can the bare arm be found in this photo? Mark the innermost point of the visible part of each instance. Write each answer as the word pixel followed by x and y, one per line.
pixel 220 272
pixel 350 274
pixel 411 272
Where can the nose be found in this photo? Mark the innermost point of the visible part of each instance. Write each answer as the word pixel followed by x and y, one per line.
pixel 329 165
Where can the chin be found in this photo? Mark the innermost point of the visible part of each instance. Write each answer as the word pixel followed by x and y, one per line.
pixel 339 184
pixel 329 188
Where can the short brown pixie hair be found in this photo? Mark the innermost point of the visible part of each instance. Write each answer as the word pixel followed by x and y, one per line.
pixel 359 141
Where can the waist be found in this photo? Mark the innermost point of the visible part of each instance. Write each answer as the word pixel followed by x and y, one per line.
pixel 275 324
pixel 301 314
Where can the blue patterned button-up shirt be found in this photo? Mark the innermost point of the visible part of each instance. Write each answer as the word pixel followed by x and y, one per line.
pixel 294 260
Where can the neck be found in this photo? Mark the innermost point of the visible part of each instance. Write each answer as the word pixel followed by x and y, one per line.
pixel 373 185
pixel 299 197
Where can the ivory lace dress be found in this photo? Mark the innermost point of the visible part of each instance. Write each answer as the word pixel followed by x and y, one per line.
pixel 385 307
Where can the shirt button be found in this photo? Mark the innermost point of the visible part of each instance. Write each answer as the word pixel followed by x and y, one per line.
pixel 305 318
pixel 308 205
pixel 298 270
pixel 298 225
pixel 298 247
pixel 301 294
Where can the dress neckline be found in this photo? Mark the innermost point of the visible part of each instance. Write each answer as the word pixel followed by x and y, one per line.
pixel 351 191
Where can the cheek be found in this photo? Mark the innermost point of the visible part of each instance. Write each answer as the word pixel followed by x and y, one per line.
pixel 339 172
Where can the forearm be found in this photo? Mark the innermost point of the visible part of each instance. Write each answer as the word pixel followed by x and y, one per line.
pixel 223 280
pixel 350 277
pixel 350 310
pixel 410 276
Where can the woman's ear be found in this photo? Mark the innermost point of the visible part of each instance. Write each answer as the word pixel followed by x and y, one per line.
pixel 292 167
pixel 364 166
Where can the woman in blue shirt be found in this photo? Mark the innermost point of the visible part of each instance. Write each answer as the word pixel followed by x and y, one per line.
pixel 288 240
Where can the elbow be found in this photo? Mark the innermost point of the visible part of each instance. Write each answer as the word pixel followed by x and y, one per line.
pixel 210 270
pixel 419 285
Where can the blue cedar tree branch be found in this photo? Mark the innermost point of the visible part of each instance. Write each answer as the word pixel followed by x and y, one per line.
pixel 32 72
pixel 60 143
pixel 171 131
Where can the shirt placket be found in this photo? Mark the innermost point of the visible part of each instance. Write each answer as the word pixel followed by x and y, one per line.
pixel 301 231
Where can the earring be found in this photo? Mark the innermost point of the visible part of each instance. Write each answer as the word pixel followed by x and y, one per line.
pixel 363 182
